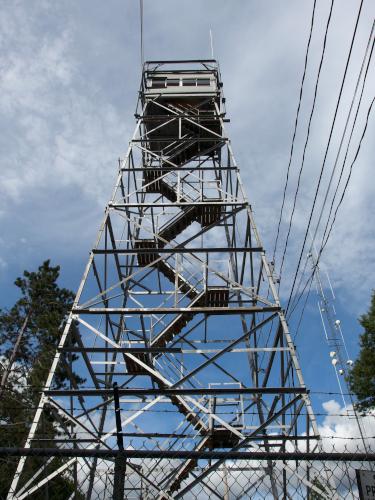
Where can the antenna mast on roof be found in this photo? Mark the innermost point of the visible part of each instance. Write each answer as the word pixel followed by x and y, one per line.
pixel 212 44
pixel 141 27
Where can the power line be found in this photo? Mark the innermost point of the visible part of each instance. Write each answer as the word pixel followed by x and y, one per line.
pixel 141 26
pixel 348 178
pixel 298 293
pixel 295 302
pixel 326 152
pixel 338 206
pixel 345 128
pixel 309 282
pixel 307 136
pixel 349 142
pixel 295 128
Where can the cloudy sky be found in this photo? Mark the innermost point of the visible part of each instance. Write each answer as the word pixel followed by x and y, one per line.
pixel 69 76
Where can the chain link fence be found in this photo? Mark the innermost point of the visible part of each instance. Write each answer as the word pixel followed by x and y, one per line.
pixel 53 473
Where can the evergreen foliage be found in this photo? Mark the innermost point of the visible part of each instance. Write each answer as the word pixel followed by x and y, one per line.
pixel 313 494
pixel 46 305
pixel 362 376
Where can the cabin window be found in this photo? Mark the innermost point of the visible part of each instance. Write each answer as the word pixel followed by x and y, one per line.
pixel 173 82
pixel 189 82
pixel 203 82
pixel 158 83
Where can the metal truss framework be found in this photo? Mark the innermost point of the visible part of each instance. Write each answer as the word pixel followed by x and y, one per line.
pixel 177 307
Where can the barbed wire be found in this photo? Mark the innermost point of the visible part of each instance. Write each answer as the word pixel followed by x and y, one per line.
pixel 92 387
pixel 347 414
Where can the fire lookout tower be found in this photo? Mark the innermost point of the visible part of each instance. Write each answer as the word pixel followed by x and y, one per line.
pixel 180 325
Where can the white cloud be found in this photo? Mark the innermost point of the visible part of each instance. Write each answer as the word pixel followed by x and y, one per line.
pixel 64 121
pixel 60 132
pixel 340 429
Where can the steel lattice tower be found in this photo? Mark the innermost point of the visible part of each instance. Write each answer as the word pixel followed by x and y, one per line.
pixel 178 312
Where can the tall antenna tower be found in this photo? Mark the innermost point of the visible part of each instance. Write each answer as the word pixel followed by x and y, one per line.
pixel 181 331
pixel 340 359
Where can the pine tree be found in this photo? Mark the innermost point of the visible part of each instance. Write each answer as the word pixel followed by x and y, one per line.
pixel 44 305
pixel 362 376
pixel 313 494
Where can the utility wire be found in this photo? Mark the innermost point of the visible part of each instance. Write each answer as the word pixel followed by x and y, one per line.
pixel 345 129
pixel 348 178
pixel 347 149
pixel 315 267
pixel 297 294
pixel 309 280
pixel 141 26
pixel 307 137
pixel 295 129
pixel 309 283
pixel 326 153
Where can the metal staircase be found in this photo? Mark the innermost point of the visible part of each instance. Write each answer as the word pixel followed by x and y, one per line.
pixel 212 297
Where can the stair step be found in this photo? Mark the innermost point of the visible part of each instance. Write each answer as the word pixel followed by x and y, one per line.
pixel 188 466
pixel 146 258
pixel 154 182
pixel 197 422
pixel 185 472
pixel 177 225
pixel 174 328
pixel 219 438
pixel 223 438
pixel 205 215
pixel 133 368
pixel 183 285
pixel 152 179
pixel 210 214
pixel 212 297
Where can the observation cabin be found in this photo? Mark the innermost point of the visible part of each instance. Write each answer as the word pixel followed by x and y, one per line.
pixel 182 103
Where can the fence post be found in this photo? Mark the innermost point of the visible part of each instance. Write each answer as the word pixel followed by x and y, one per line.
pixel 120 460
